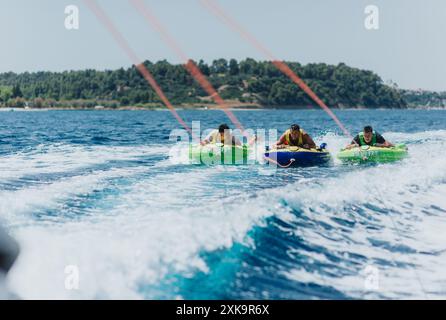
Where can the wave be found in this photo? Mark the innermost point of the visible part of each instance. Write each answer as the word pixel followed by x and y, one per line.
pixel 134 245
pixel 160 225
pixel 390 215
pixel 63 158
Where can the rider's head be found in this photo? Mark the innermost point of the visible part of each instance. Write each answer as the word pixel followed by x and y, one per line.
pixel 368 133
pixel 295 129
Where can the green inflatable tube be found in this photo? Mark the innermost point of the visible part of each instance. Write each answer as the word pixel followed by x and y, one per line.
pixel 212 154
pixel 373 154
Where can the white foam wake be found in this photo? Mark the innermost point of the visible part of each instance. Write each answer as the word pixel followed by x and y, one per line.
pixel 159 226
pixel 60 158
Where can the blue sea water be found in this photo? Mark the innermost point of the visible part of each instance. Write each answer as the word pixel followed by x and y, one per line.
pixel 103 192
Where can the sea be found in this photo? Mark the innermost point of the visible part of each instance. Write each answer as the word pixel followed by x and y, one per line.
pixel 105 205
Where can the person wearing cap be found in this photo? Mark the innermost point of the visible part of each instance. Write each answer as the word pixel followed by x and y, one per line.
pixel 295 136
pixel 368 137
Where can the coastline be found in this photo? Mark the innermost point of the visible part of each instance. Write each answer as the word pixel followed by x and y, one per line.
pixel 241 107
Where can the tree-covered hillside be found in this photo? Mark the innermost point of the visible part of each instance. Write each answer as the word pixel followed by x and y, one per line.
pixel 424 99
pixel 247 81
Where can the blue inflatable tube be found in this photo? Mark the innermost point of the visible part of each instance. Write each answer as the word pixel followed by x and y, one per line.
pixel 298 157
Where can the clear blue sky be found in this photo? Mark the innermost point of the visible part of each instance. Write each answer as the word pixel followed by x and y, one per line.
pixel 409 48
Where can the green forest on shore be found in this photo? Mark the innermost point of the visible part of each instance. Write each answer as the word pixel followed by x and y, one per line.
pixel 247 83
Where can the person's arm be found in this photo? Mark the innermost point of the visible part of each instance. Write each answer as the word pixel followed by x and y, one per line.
pixel 308 142
pixel 353 144
pixel 381 142
pixel 386 144
pixel 207 140
pixel 252 140
pixel 281 141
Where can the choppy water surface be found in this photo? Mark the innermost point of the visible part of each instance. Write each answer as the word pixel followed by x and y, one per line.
pixel 98 190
